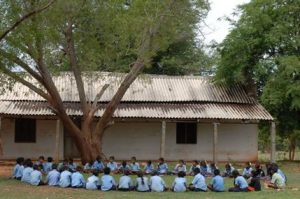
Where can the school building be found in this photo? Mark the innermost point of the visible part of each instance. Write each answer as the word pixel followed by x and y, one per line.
pixel 175 117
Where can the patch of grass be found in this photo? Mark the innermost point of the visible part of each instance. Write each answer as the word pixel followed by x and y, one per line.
pixel 15 189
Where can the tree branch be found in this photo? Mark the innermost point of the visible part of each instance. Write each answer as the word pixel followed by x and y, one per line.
pixel 74 65
pixel 98 96
pixel 25 17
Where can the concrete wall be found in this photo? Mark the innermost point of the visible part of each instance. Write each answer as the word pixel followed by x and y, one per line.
pixel 45 140
pixel 236 141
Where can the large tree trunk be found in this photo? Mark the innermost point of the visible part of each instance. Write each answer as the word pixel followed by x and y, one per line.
pixel 292 147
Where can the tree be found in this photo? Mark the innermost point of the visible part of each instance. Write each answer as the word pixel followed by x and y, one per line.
pixel 262 52
pixel 81 36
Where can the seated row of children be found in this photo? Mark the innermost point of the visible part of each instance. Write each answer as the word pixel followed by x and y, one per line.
pixel 71 176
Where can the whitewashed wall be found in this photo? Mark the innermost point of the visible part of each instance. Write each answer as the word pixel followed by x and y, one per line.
pixel 45 140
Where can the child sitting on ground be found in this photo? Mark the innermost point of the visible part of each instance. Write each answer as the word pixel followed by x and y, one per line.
pixel 77 179
pixel 180 167
pixel 18 169
pixel 63 164
pixel 134 166
pixel 48 165
pixel 247 170
pixel 156 183
pixel 162 167
pixel 65 177
pixel 93 181
pixel 107 181
pixel 211 168
pixel 259 171
pixel 228 170
pixel 27 171
pixel 72 165
pixel 198 183
pixel 41 162
pixel 124 167
pixel 204 168
pixel 53 176
pixel 36 176
pixel 277 181
pixel 240 183
pixel 254 181
pixel 112 165
pixel 125 183
pixel 142 183
pixel 149 168
pixel 179 184
pixel 195 164
pixel 217 182
pixel 88 167
pixel 98 164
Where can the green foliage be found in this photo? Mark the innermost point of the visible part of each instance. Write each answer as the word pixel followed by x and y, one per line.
pixel 265 46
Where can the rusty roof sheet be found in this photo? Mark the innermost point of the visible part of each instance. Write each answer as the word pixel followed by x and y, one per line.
pixel 149 110
pixel 146 88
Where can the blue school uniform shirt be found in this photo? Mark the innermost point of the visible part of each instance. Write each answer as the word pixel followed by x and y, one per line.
pixel 53 178
pixel 35 177
pixel 92 183
pixel 65 179
pixel 199 182
pixel 179 168
pixel 112 165
pixel 26 174
pixel 72 166
pixel 179 184
pixel 77 180
pixel 162 168
pixel 140 186
pixel 247 171
pixel 149 168
pixel 47 167
pixel 135 166
pixel 125 182
pixel 282 175
pixel 218 183
pixel 157 184
pixel 18 171
pixel 98 165
pixel 241 182
pixel 126 168
pixel 107 182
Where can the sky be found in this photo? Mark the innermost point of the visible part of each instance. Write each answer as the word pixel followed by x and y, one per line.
pixel 218 29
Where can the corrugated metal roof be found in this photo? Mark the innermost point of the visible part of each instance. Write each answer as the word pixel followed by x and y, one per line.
pixel 150 110
pixel 147 88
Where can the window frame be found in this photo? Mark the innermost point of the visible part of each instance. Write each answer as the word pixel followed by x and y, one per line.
pixel 186 140
pixel 21 127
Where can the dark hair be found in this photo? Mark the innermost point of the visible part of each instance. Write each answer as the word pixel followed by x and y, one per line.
pixel 54 166
pixel 106 170
pixel 149 162
pixel 181 161
pixel 65 168
pixel 196 161
pixel 70 159
pixel 124 163
pixel 248 164
pixel 20 160
pixel 36 167
pixel 141 175
pixel 161 159
pixel 28 163
pixel 79 168
pixel 41 158
pixel 181 174
pixel 112 157
pixel 235 173
pixel 49 159
pixel 216 172
pixel 125 172
pixel 203 163
pixel 196 170
pixel 154 173
pixel 254 173
pixel 98 158
pixel 95 172
pixel 133 158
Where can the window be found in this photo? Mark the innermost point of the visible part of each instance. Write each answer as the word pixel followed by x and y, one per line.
pixel 186 133
pixel 25 131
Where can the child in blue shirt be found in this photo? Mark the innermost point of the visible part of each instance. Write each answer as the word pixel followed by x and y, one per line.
pixel 228 170
pixel 53 176
pixel 204 169
pixel 240 183
pixel 217 182
pixel 142 184
pixel 65 177
pixel 18 169
pixel 179 184
pixel 47 166
pixel 41 162
pixel 247 170
pixel 72 165
pixel 125 182
pixel 124 167
pixel 98 164
pixel 162 167
pixel 211 168
pixel 195 164
pixel 198 183
pixel 36 176
pixel 27 171
pixel 149 168
pixel 62 165
pixel 77 179
pixel 134 166
pixel 88 167
pixel 156 183
pixel 180 167
pixel 112 165
pixel 93 181
pixel 107 181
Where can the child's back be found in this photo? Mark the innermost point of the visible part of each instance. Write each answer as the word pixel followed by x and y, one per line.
pixel 92 183
pixel 35 177
pixel 26 174
pixel 77 180
pixel 65 179
pixel 157 184
pixel 107 182
pixel 53 178
pixel 142 184
pixel 125 182
pixel 255 183
pixel 218 183
pixel 179 184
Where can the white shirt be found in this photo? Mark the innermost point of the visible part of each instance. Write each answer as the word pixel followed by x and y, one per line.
pixel 140 186
pixel 125 182
pixel 26 174
pixel 35 177
pixel 92 183
pixel 179 184
pixel 157 184
pixel 53 178
pixel 65 179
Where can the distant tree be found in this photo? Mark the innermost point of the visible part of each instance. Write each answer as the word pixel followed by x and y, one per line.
pixel 82 36
pixel 263 52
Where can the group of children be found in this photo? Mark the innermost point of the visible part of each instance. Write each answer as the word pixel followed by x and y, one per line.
pixel 69 174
